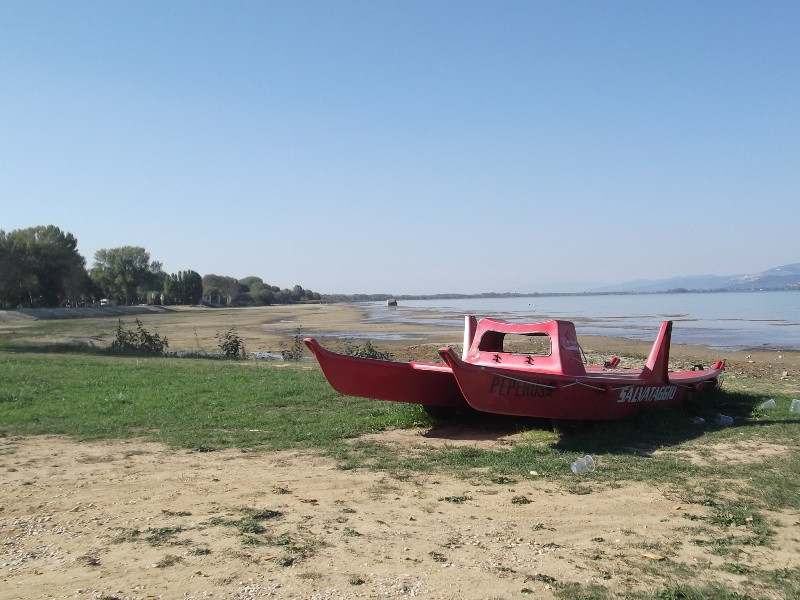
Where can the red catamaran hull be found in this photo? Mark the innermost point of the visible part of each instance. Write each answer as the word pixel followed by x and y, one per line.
pixel 429 384
pixel 510 392
pixel 555 384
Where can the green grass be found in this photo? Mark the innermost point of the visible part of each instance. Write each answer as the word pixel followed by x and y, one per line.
pixel 190 403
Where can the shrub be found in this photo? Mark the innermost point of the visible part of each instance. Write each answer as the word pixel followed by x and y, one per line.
pixel 295 352
pixel 138 341
pixel 231 344
pixel 367 350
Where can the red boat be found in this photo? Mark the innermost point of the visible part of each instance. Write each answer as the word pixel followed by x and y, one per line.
pixel 427 383
pixel 531 370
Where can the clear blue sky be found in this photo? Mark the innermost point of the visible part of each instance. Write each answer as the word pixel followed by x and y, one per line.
pixel 408 146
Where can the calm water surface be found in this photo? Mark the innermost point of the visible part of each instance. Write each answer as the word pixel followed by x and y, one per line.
pixel 729 320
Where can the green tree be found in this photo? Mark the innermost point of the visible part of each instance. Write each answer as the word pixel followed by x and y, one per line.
pixel 283 296
pixel 219 289
pixel 154 285
pixel 124 273
pixel 193 287
pixel 41 266
pixel 260 293
pixel 12 276
pixel 184 287
pixel 253 283
pixel 263 296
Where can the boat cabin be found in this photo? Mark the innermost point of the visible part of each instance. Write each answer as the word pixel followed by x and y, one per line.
pixel 549 347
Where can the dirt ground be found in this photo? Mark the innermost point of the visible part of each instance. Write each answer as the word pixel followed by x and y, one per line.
pixel 137 520
pixel 128 519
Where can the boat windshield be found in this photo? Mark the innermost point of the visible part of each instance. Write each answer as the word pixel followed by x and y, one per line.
pixel 528 344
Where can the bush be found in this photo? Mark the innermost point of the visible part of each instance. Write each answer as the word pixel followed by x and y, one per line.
pixel 367 350
pixel 295 352
pixel 140 341
pixel 231 344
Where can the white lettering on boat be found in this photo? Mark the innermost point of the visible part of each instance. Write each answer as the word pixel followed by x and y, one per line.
pixel 647 394
pixel 504 386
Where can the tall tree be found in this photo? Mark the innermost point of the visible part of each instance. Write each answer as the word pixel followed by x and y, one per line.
pixel 184 287
pixel 123 273
pixel 220 289
pixel 11 272
pixel 40 266
pixel 155 278
pixel 193 287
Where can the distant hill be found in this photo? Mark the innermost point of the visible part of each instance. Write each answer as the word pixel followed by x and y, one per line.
pixel 786 277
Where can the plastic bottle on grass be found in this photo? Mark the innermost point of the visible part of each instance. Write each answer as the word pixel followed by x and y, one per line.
pixel 583 465
pixel 724 420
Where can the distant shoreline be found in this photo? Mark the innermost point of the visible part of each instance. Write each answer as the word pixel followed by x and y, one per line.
pixel 454 296
pixel 729 322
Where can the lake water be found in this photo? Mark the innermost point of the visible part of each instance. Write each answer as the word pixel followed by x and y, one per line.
pixel 725 320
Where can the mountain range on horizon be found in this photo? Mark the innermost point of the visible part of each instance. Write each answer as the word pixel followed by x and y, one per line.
pixel 786 277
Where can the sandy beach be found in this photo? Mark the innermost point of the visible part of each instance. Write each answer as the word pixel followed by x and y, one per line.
pixel 136 520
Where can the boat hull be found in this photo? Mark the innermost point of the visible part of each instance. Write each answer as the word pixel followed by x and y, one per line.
pixel 426 383
pixel 594 397
pixel 546 381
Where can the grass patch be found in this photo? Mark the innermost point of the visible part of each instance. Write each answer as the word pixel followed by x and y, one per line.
pixel 190 403
pixel 157 536
pixel 254 533
pixel 687 592
pixel 456 499
pixel 250 522
pixel 350 532
pixel 168 561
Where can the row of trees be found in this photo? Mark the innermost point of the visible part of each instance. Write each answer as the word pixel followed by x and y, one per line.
pixel 219 289
pixel 41 267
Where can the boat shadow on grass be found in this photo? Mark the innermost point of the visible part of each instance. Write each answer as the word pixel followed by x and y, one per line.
pixel 653 429
pixel 643 433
